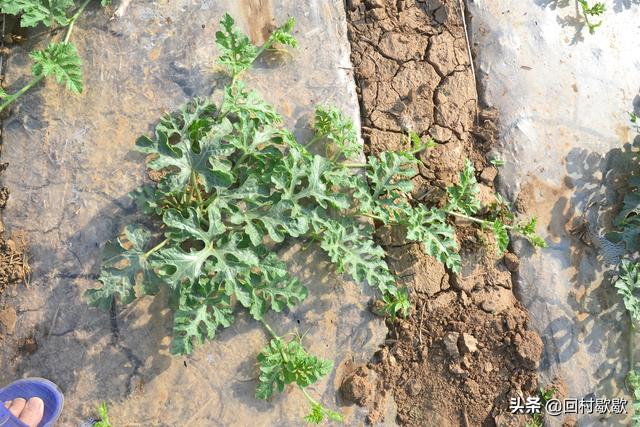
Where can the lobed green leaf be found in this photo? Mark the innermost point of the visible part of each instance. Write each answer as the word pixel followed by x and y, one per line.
pixel 125 264
pixel 352 250
pixel 60 60
pixel 429 227
pixel 202 310
pixel 332 124
pixel 282 363
pixel 34 12
pixel 463 197
pixel 628 286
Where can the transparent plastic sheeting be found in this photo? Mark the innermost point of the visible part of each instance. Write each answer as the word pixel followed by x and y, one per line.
pixel 564 96
pixel 71 165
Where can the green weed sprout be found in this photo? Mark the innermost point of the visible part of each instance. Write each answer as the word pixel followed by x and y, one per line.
pixel 545 394
pixel 104 416
pixel 395 305
pixel 496 161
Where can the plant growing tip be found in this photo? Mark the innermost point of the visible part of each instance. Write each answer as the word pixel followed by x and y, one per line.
pixel 589 11
pixel 417 145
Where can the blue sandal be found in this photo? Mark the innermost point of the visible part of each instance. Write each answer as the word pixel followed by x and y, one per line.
pixel 26 389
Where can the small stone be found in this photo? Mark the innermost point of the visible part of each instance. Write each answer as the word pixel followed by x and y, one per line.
pixel 8 319
pixel 488 367
pixel 392 360
pixel 468 343
pixel 488 175
pixel 414 388
pixel 471 387
pixel 440 134
pixel 451 344
pixel 456 369
pixel 377 14
pixel 467 362
pixel 464 299
pixel 488 305
pixel 511 261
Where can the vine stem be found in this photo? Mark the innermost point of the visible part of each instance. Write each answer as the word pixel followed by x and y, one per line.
pixel 11 98
pixel 379 218
pixel 155 248
pixel 313 141
pixel 448 212
pixel 275 337
pixel 73 20
pixel 268 328
pixel 356 165
pixel 309 398
pixel 264 47
pixel 632 335
pixel 194 187
pixel 476 220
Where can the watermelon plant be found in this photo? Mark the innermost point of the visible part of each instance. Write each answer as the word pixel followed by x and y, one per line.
pixel 627 283
pixel 58 59
pixel 234 182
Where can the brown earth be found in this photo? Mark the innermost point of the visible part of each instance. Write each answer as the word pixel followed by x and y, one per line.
pixel 466 347
pixel 14 271
pixel 14 267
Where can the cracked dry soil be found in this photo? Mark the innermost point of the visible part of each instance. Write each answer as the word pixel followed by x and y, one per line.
pixel 466 347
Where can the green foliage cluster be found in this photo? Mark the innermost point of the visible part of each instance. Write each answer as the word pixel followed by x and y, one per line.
pixel 288 362
pixel 628 287
pixel 395 305
pixel 588 12
pixel 633 384
pixel 234 183
pixel 59 59
pixel 627 284
pixel 545 394
pixel 104 416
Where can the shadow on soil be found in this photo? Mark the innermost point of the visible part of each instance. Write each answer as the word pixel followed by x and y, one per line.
pixel 574 17
pixel 597 319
